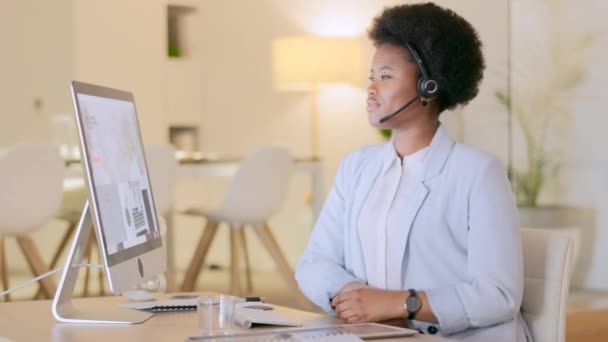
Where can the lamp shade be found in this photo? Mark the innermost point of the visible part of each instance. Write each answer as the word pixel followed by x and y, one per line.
pixel 300 62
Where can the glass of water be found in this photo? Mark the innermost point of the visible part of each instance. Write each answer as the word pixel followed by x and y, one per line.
pixel 216 314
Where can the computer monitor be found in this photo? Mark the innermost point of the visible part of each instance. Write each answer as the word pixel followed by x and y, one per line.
pixel 120 204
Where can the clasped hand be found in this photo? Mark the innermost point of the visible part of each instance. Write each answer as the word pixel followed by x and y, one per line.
pixel 357 303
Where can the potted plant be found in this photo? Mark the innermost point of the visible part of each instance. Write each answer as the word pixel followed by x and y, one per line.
pixel 545 78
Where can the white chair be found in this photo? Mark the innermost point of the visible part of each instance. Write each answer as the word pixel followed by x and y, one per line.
pixel 31 183
pixel 74 197
pixel 548 261
pixel 253 196
pixel 162 169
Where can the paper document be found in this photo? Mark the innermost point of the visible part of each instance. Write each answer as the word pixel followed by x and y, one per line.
pixel 307 335
pixel 336 333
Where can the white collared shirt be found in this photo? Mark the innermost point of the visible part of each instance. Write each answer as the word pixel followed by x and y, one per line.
pixel 379 218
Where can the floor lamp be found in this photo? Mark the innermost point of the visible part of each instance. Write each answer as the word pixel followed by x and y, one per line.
pixel 304 63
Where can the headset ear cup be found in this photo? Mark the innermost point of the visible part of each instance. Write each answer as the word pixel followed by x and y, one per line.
pixel 421 87
pixel 427 88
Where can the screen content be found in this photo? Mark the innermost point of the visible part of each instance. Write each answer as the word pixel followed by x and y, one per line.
pixel 120 180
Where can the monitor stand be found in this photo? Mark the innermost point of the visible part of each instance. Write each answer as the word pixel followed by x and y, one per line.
pixel 63 308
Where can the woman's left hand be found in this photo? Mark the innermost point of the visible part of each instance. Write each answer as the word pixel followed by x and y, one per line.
pixel 363 305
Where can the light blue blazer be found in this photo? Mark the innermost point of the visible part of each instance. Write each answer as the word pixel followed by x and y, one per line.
pixel 460 238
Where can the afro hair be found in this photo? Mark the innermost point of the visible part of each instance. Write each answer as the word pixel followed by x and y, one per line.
pixel 448 45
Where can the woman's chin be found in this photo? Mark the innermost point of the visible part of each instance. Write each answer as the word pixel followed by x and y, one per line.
pixel 374 120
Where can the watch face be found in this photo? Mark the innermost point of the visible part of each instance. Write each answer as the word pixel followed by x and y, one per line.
pixel 413 304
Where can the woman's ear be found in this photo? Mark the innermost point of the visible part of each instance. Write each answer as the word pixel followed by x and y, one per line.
pixel 426 101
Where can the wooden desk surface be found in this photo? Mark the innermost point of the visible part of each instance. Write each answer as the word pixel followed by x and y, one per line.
pixel 33 321
pixel 587 326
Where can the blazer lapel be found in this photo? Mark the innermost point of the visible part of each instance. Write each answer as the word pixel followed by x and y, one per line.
pixel 417 194
pixel 367 176
pixel 439 151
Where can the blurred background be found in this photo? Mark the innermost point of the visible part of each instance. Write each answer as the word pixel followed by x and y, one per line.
pixel 218 79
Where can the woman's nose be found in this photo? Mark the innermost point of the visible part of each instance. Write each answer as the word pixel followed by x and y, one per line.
pixel 371 90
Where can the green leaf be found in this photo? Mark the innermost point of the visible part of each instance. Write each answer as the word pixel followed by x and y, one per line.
pixel 503 98
pixel 385 133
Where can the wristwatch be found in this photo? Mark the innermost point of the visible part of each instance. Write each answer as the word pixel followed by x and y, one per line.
pixel 412 304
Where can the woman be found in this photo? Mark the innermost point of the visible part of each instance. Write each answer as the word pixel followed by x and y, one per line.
pixel 421 227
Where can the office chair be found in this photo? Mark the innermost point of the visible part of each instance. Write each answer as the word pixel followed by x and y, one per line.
pixel 548 265
pixel 31 179
pixel 255 193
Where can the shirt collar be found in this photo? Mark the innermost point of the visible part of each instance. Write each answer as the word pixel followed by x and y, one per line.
pixel 416 159
pixel 390 157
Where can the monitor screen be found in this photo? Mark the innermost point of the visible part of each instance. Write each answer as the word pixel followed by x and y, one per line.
pixel 121 188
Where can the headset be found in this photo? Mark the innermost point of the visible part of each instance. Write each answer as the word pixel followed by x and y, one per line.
pixel 427 87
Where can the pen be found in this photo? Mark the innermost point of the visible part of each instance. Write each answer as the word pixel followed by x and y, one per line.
pixel 255 299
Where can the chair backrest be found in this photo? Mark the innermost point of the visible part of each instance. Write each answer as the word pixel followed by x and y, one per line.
pixel 259 187
pixel 547 272
pixel 162 168
pixel 31 186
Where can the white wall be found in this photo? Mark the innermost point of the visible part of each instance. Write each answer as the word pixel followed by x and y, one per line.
pixel 122 44
pixel 35 64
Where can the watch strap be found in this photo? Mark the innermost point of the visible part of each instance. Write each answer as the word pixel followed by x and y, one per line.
pixel 412 312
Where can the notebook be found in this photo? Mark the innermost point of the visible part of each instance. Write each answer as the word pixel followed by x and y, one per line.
pixel 163 305
pixel 247 314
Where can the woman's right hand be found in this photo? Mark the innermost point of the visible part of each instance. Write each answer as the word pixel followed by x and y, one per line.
pixel 352 286
pixel 348 287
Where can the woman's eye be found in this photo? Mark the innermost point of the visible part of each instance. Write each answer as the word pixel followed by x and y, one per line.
pixel 371 79
pixel 384 77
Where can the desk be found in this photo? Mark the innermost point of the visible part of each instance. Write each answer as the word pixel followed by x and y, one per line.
pixel 33 321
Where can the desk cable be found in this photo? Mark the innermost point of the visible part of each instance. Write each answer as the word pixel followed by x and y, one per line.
pixel 42 276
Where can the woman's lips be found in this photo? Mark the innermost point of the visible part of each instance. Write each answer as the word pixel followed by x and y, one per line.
pixel 372 105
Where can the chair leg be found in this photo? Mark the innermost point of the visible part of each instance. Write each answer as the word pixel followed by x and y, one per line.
pixel 4 269
pixel 60 249
pixel 235 270
pixel 273 248
pixel 36 264
pixel 101 280
pixel 243 241
pixel 87 271
pixel 100 272
pixel 199 256
pixel 62 244
pixel 169 242
pixel 171 284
